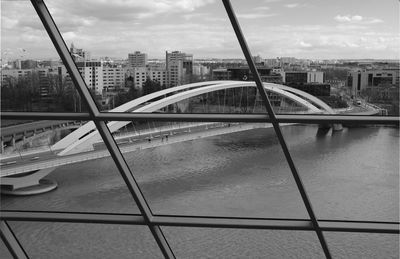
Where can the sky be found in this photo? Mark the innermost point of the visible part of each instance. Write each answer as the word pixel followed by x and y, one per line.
pixel 313 29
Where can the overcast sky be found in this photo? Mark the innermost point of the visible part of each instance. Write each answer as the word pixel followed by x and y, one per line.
pixel 315 29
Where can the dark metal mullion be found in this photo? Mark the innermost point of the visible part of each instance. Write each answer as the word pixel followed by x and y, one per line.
pixel 11 241
pixel 120 162
pixel 204 222
pixel 206 117
pixel 73 217
pixel 275 123
pixel 133 188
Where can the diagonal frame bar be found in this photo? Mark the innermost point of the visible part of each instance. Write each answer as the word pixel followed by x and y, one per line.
pixel 11 241
pixel 116 154
pixel 275 123
pixel 155 221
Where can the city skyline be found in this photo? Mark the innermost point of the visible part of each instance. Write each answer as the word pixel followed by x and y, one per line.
pixel 315 30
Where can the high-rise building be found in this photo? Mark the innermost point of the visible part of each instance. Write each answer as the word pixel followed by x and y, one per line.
pixel 179 67
pixel 137 59
pixel 113 77
pixel 79 55
pixel 158 75
pixel 139 75
pixel 92 73
pixel 153 72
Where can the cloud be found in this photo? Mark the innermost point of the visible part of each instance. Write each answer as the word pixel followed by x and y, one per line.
pixel 264 8
pixel 356 19
pixel 255 15
pixel 122 10
pixel 115 28
pixel 294 5
pixel 305 44
pixel 190 16
pixel 348 18
pixel 322 41
pixel 375 20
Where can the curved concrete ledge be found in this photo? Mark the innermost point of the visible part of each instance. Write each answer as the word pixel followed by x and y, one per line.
pixel 45 185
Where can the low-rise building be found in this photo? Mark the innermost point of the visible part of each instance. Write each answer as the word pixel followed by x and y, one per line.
pixel 360 80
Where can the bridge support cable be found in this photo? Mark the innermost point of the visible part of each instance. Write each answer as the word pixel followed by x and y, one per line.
pixel 101 126
pixel 275 123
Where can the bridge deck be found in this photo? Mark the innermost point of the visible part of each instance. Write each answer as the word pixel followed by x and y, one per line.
pixel 130 146
pixel 33 126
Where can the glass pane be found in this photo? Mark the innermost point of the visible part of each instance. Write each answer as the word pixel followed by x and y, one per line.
pixel 4 251
pixel 213 169
pixel 87 181
pixel 33 78
pixel 149 46
pixel 363 245
pixel 28 137
pixel 67 240
pixel 342 53
pixel 235 243
pixel 350 174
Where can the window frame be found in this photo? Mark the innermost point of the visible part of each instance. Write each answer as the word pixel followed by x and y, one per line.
pixel 146 216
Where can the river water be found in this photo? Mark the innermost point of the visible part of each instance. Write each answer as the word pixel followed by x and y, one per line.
pixel 348 175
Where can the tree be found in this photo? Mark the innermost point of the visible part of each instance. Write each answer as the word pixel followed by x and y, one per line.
pixel 123 97
pixel 20 94
pixel 150 86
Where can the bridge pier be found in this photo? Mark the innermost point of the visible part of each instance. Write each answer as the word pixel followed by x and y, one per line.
pixel 335 127
pixel 13 140
pixel 28 184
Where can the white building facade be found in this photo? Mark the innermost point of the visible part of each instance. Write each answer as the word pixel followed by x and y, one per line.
pixel 113 77
pixel 92 73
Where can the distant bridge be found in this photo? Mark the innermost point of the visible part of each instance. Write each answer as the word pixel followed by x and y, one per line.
pixel 79 145
pixel 83 138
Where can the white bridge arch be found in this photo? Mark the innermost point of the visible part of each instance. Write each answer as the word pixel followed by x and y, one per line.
pixel 84 137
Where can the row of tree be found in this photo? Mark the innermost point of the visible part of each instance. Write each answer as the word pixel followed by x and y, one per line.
pixel 36 92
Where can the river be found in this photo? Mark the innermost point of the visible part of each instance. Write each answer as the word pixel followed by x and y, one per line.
pixel 349 175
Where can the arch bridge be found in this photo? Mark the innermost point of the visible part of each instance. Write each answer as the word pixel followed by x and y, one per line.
pixel 85 137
